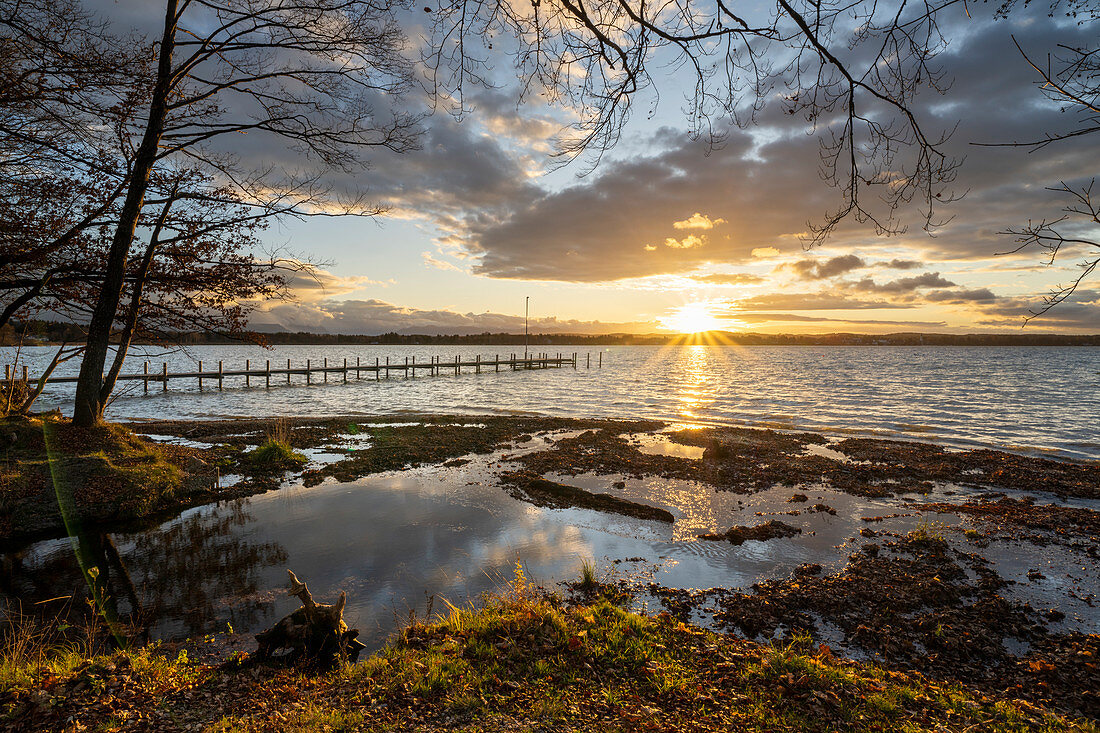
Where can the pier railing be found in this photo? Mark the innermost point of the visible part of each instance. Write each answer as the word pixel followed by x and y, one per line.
pixel 380 370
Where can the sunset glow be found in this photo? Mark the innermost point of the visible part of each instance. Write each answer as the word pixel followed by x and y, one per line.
pixel 692 318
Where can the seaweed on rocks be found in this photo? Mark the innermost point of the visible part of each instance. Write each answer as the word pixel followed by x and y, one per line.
pixel 920 605
pixel 761 532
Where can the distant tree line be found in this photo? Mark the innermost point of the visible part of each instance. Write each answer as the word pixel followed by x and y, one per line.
pixel 51 332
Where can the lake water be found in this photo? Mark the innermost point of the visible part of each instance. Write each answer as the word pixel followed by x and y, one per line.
pixel 396 541
pixel 1033 399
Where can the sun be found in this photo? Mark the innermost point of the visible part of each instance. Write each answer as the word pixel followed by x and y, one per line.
pixel 691 318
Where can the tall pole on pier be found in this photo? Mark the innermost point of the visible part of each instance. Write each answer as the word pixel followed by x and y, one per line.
pixel 526 313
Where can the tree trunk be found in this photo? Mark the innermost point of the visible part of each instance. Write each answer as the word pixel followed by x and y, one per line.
pixel 90 398
pixel 134 310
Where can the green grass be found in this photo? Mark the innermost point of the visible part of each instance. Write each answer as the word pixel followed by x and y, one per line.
pixel 523 660
pixel 275 455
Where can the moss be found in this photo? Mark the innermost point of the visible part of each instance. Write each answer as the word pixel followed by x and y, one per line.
pixel 54 474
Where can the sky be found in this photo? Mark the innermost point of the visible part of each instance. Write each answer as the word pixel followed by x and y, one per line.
pixel 668 233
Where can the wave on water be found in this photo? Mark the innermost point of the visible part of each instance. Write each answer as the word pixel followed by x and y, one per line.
pixel 964 396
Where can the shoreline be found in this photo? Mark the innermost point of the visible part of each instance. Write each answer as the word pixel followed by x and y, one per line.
pixel 223 441
pixel 918 598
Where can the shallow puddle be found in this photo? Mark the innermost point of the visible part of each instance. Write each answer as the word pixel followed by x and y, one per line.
pixel 405 540
pixel 657 444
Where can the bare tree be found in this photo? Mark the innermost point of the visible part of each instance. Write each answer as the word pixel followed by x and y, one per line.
pixel 1052 236
pixel 1069 76
pixel 307 72
pixel 852 70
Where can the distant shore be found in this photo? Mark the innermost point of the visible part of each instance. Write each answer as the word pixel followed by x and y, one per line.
pixel 46 333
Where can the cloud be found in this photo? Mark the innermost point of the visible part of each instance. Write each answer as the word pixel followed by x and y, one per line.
pixel 439 264
pixel 732 278
pixel 686 243
pixel 319 284
pixel 766 187
pixel 810 301
pixel 961 296
pixel 821 269
pixel 899 264
pixel 375 317
pixel 698 221
pixel 1080 312
pixel 795 318
pixel 905 284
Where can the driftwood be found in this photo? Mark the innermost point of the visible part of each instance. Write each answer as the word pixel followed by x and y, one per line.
pixel 315 632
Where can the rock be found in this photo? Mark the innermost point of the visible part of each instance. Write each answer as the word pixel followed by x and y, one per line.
pixel 795 498
pixel 528 486
pixel 761 532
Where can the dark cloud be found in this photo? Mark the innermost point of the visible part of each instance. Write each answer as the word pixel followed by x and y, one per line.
pixel 824 268
pixel 980 295
pixel 899 264
pixel 615 224
pixel 377 316
pixel 809 301
pixel 794 318
pixel 1080 312
pixel 905 284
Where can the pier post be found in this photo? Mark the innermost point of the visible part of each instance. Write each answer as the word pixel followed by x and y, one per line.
pixel 288 371
pixel 200 376
pixel 458 362
pixel 325 369
pixel 219 374
pixel 267 373
pixel 414 366
pixel 247 373
pixel 345 370
pixel 164 377
pixel 377 374
pixel 477 369
pixel 145 381
pixel 601 360
pixel 588 360
pixel 496 360
pixel 309 379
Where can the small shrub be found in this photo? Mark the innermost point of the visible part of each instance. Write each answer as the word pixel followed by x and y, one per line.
pixel 927 531
pixel 589 582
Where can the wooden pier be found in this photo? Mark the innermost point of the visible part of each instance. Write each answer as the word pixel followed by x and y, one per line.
pixel 320 371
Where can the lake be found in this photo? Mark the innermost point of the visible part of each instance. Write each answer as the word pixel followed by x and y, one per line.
pixel 1033 399
pixel 406 540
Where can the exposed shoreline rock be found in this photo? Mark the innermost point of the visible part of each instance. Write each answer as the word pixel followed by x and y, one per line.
pixel 543 492
pixel 761 532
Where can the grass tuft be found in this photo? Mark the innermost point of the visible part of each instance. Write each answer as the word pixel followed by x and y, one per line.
pixel 276 453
